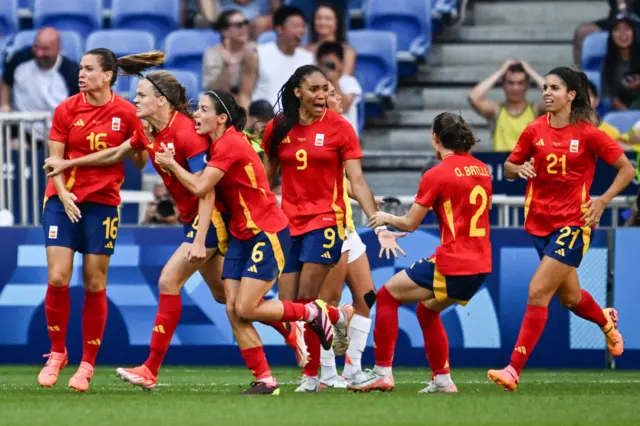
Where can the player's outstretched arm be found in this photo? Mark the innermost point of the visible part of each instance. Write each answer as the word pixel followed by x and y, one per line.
pixel 360 187
pixel 198 184
pixel 106 157
pixel 525 170
pixel 408 223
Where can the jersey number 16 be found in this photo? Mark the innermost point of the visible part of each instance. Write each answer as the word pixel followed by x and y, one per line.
pixel 97 141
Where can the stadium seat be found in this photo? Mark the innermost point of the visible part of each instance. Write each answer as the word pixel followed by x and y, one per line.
pixel 81 16
pixel 267 37
pixel 184 49
pixel 623 120
pixel 25 4
pixel 410 20
pixel 70 43
pixel 122 42
pixel 595 78
pixel 188 79
pixel 159 17
pixel 3 46
pixel 594 49
pixel 8 17
pixel 376 66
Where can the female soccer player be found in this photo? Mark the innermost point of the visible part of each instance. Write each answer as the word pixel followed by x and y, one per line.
pixel 459 191
pixel 81 210
pixel 161 101
pixel 312 146
pixel 354 268
pixel 260 234
pixel 557 153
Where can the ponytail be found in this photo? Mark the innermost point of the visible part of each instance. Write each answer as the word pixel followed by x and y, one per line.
pixel 225 103
pixel 453 132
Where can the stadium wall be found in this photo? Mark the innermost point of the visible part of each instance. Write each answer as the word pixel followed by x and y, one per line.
pixel 481 334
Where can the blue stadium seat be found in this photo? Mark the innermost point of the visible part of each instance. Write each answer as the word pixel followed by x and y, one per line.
pixel 70 43
pixel 376 66
pixel 595 78
pixel 188 79
pixel 3 47
pixel 184 49
pixel 267 37
pixel 159 17
pixel 122 42
pixel 25 4
pixel 8 17
pixel 81 16
pixel 410 20
pixel 623 120
pixel 594 49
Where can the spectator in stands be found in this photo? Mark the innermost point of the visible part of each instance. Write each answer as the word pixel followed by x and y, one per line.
pixel 264 74
pixel 610 130
pixel 331 60
pixel 222 64
pixel 38 78
pixel 510 118
pixel 618 8
pixel 329 25
pixel 621 66
pixel 162 210
pixel 251 9
pixel 260 112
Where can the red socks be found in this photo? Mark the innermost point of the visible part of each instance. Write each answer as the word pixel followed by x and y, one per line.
pixel 94 319
pixel 57 308
pixel 167 319
pixel 293 311
pixel 385 332
pixel 256 361
pixel 590 310
pixel 535 318
pixel 334 314
pixel 436 342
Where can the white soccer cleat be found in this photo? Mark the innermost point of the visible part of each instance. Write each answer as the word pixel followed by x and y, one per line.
pixel 335 382
pixel 309 384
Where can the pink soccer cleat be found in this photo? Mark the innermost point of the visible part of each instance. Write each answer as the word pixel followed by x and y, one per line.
pixel 80 381
pixel 507 378
pixel 138 376
pixel 614 338
pixel 49 374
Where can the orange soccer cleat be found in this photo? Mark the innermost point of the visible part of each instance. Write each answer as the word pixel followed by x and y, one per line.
pixel 80 381
pixel 508 378
pixel 49 374
pixel 371 380
pixel 614 338
pixel 138 376
pixel 296 341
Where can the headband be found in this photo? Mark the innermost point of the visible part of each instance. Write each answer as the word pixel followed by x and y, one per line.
pixel 158 88
pixel 222 103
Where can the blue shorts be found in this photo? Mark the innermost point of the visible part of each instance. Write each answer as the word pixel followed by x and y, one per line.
pixel 459 287
pixel 218 234
pixel 95 233
pixel 322 246
pixel 567 245
pixel 261 257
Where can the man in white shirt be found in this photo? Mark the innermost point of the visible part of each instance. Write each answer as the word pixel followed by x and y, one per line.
pixel 266 72
pixel 330 57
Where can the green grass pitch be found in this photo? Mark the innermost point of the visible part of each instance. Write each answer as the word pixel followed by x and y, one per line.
pixel 207 396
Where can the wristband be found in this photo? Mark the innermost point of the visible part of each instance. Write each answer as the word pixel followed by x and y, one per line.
pixel 377 229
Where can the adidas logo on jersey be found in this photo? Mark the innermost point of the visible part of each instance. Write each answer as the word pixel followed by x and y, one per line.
pixel 560 252
pixel 326 255
pixel 79 123
pixel 540 143
pixel 109 245
pixel 253 268
pixel 286 140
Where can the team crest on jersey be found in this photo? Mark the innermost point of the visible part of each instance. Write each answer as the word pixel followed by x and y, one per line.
pixel 319 139
pixel 53 232
pixel 171 148
pixel 115 124
pixel 575 144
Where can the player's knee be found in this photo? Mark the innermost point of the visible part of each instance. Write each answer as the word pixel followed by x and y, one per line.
pixel 570 301
pixel 168 285
pixel 231 311
pixel 95 284
pixel 538 297
pixel 59 279
pixel 245 311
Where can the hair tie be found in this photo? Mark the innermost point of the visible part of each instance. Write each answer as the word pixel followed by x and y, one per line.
pixel 222 103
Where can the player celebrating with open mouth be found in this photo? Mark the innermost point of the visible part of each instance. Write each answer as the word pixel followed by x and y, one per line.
pixel 557 153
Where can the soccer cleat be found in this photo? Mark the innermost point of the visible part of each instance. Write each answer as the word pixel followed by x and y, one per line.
pixel 507 378
pixel 372 381
pixel 138 376
pixel 335 382
pixel 80 381
pixel 308 384
pixel 321 324
pixel 435 387
pixel 296 341
pixel 614 338
pixel 49 374
pixel 262 388
pixel 341 336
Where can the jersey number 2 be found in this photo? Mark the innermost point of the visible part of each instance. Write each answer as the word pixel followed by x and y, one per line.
pixel 478 191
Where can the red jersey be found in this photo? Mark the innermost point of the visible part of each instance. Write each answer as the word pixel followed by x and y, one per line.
pixel 84 129
pixel 312 165
pixel 244 188
pixel 189 150
pixel 459 190
pixel 564 160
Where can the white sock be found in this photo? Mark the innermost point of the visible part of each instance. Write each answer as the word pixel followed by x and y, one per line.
pixel 327 364
pixel 443 380
pixel 358 333
pixel 382 371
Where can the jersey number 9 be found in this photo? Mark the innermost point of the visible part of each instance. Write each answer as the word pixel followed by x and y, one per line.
pixel 301 156
pixel 96 141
